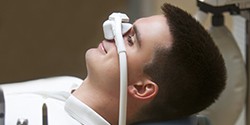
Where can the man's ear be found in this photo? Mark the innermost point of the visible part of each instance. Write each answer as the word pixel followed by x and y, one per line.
pixel 146 89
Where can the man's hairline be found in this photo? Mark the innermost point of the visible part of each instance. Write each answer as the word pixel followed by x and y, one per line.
pixel 161 47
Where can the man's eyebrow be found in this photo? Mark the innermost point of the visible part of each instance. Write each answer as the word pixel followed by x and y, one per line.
pixel 138 35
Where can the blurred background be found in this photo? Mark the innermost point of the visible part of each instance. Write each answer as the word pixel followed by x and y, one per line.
pixel 47 38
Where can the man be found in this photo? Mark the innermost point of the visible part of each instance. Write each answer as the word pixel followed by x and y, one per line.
pixel 174 70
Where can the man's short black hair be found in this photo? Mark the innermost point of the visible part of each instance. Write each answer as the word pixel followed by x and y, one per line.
pixel 190 74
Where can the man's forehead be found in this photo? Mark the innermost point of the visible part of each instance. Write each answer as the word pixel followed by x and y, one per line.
pixel 158 23
pixel 150 18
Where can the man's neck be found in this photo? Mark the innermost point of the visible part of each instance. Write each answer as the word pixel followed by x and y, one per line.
pixel 100 101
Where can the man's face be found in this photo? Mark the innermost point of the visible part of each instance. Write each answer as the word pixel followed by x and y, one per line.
pixel 140 42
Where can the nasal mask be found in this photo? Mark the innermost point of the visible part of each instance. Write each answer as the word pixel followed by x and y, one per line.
pixel 114 28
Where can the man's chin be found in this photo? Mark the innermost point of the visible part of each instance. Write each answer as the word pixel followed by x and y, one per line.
pixel 91 53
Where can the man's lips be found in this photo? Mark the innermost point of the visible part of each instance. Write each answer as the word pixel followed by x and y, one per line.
pixel 102 48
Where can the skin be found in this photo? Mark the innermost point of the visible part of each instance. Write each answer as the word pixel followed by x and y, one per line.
pixel 100 90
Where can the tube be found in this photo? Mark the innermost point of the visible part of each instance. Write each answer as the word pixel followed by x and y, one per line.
pixel 117 31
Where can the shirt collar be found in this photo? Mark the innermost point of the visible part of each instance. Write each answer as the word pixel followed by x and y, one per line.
pixel 82 113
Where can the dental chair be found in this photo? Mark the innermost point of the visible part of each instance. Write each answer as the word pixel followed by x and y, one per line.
pixel 23 100
pixel 192 120
pixel 62 83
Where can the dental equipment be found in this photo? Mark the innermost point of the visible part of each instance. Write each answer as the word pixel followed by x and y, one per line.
pixel 114 28
pixel 2 107
pixel 235 93
pixel 45 114
pixel 22 121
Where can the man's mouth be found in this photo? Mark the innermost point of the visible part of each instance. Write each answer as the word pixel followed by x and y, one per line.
pixel 101 46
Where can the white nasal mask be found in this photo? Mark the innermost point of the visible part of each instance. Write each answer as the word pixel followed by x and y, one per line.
pixel 109 30
pixel 114 28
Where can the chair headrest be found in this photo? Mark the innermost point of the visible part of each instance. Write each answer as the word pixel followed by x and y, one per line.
pixel 191 120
